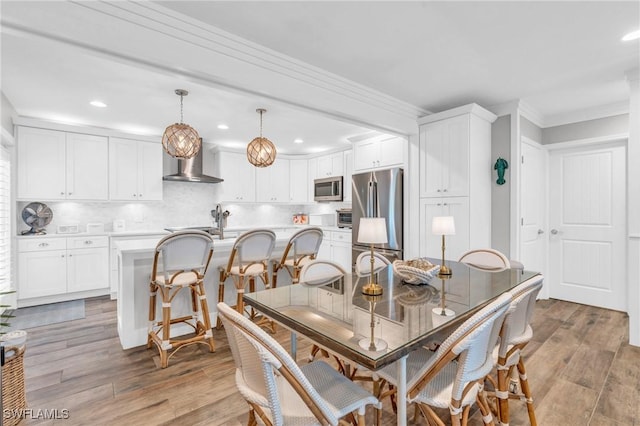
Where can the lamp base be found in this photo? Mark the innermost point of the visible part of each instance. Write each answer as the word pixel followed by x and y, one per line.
pixel 439 316
pixel 444 271
pixel 376 346
pixel 372 289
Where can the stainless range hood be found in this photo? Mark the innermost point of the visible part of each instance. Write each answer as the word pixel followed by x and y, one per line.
pixel 191 171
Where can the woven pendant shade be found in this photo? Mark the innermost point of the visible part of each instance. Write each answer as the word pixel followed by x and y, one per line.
pixel 261 152
pixel 181 140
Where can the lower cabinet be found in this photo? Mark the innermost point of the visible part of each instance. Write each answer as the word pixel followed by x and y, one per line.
pixel 336 246
pixel 431 245
pixel 61 268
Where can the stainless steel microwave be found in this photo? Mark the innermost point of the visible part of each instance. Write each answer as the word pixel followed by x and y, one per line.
pixel 328 189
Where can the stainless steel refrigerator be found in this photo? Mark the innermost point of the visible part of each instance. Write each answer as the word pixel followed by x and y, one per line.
pixel 379 194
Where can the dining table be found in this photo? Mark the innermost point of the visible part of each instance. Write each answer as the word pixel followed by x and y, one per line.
pixel 371 332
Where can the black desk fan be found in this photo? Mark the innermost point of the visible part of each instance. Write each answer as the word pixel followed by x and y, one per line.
pixel 37 216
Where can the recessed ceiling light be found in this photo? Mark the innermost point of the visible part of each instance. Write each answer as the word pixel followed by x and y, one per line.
pixel 98 104
pixel 298 140
pixel 223 126
pixel 633 35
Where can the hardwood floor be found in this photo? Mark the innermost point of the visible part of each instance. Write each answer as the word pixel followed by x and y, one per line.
pixel 580 367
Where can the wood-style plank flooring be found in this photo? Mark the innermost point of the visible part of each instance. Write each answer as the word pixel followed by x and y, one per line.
pixel 580 367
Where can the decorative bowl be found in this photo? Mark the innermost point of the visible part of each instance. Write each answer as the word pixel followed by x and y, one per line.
pixel 416 271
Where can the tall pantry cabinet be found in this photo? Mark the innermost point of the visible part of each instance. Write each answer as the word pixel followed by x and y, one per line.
pixel 456 178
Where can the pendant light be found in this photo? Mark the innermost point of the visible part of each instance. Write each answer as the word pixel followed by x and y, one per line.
pixel 181 140
pixel 261 152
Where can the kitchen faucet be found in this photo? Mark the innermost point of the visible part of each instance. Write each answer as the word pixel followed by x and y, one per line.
pixel 220 217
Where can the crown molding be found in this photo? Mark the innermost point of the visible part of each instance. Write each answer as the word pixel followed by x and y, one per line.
pixel 473 108
pixel 587 114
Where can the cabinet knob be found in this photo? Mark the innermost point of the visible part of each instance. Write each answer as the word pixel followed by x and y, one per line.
pixel 62 193
pixel 438 190
pixel 43 244
pixel 140 195
pixel 62 255
pixel 70 193
pixel 88 242
pixel 439 204
pixel 134 195
pixel 444 204
pixel 444 190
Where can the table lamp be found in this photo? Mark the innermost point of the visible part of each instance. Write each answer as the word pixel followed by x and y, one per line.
pixel 372 230
pixel 443 225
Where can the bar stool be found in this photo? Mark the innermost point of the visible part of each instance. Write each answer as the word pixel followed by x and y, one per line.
pixel 183 258
pixel 249 258
pixel 302 247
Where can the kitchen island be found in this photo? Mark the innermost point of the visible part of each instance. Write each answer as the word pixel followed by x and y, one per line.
pixel 135 261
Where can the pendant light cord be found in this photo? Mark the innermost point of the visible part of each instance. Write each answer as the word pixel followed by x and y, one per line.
pixel 181 106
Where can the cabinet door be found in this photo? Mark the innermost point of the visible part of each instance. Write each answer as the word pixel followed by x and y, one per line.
pixel 444 158
pixel 87 167
pixel 272 182
pixel 149 171
pixel 366 154
pixel 348 172
pixel 324 252
pixel 325 166
pixel 455 180
pixel 431 245
pixel 42 273
pixel 391 152
pixel 312 174
pixel 123 169
pixel 337 164
pixel 41 164
pixel 299 182
pixel 239 177
pixel 341 254
pixel 87 269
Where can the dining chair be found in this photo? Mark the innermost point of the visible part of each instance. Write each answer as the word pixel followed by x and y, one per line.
pixel 486 259
pixel 249 259
pixel 302 247
pixel 514 336
pixel 363 263
pixel 181 260
pixel 453 376
pixel 317 273
pixel 279 391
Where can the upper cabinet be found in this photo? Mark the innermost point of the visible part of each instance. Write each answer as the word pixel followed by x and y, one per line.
pixel 239 177
pixel 272 182
pixel 135 170
pixel 56 165
pixel 299 181
pixel 455 151
pixel 330 165
pixel 378 153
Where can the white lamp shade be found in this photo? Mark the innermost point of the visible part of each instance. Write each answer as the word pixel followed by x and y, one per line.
pixel 372 230
pixel 443 225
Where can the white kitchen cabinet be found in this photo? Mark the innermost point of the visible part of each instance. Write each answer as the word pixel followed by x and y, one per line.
pixel 135 170
pixel 378 153
pixel 330 165
pixel 336 246
pixel 239 177
pixel 332 302
pixel 298 181
pixel 444 157
pixel 430 244
pixel 348 172
pixel 455 152
pixel 312 174
pixel 55 165
pixel 272 183
pixel 56 269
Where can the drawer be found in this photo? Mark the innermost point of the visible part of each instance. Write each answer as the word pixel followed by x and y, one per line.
pixel 41 244
pixel 87 242
pixel 341 236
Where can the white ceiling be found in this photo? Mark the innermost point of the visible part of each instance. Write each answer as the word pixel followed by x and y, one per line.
pixel 558 57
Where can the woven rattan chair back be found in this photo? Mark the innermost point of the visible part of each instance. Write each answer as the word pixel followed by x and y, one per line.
pixel 486 259
pixel 302 247
pixel 363 263
pixel 321 272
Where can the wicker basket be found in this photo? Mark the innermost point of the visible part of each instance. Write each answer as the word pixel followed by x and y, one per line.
pixel 416 271
pixel 13 392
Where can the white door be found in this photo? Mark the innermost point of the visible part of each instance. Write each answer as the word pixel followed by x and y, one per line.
pixel 533 230
pixel 587 221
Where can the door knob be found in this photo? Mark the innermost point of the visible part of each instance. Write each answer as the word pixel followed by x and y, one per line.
pixel 554 231
pixel 540 231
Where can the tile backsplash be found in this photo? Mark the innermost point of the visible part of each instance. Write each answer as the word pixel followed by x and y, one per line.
pixel 184 204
